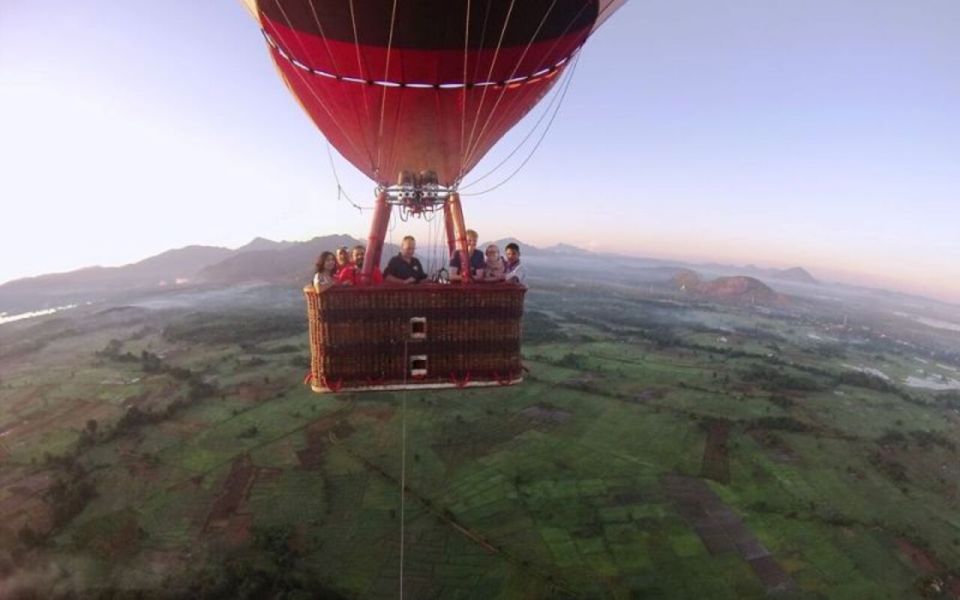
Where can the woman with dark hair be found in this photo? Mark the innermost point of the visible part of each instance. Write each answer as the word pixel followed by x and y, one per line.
pixel 325 271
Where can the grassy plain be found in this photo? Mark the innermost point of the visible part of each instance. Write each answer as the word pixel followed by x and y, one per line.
pixel 657 448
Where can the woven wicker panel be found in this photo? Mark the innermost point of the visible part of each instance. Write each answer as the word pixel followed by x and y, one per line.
pixel 363 336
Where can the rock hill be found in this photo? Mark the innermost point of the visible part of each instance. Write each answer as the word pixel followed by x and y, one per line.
pixel 738 289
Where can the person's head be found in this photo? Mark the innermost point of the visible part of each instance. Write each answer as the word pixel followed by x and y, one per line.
pixel 343 256
pixel 492 253
pixel 326 263
pixel 472 240
pixel 356 255
pixel 513 252
pixel 408 247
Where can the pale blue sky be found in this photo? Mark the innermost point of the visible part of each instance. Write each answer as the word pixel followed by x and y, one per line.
pixel 822 133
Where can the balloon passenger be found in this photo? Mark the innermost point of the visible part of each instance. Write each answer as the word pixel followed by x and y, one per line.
pixel 343 258
pixel 477 261
pixel 405 267
pixel 352 273
pixel 326 271
pixel 514 272
pixel 495 264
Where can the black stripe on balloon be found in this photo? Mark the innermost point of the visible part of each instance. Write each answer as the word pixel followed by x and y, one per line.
pixel 434 24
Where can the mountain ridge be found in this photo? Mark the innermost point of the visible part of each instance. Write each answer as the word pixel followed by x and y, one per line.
pixel 291 261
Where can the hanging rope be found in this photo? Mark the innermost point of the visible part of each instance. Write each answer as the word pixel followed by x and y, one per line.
pixel 300 75
pixel 342 193
pixel 386 76
pixel 363 75
pixel 533 151
pixel 503 91
pixel 463 95
pixel 337 69
pixel 553 47
pixel 403 461
pixel 557 92
pixel 483 96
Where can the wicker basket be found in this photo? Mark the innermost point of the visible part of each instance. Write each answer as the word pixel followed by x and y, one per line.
pixel 427 335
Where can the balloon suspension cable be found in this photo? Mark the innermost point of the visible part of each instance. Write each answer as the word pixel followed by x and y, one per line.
pixel 558 92
pixel 302 77
pixel 563 93
pixel 471 148
pixel 342 193
pixel 403 462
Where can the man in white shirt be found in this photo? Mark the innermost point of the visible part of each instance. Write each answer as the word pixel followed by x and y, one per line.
pixel 514 272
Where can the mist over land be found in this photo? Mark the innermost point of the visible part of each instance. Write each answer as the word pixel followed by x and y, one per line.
pixel 683 431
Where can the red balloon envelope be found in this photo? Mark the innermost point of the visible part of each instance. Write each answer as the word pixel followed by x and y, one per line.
pixel 416 85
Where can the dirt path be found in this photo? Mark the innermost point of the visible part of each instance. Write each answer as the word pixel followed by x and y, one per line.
pixel 716 464
pixel 722 530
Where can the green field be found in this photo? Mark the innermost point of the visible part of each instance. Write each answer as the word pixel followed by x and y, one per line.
pixel 655 449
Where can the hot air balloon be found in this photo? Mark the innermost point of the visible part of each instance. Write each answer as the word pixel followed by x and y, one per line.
pixel 414 93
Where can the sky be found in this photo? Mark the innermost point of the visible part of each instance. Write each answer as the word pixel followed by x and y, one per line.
pixel 821 133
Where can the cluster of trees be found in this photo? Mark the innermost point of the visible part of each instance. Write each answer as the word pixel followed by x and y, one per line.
pixel 69 495
pixel 924 439
pixel 539 328
pixel 572 361
pixel 895 471
pixel 234 328
pixel 72 489
pixel 270 568
pixel 774 379
pixel 780 424
pixel 949 399
pixel 135 417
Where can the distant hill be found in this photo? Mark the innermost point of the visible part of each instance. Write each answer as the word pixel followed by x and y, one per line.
pixel 738 289
pixel 167 268
pixel 793 275
pixel 797 275
pixel 566 249
pixel 259 243
pixel 531 250
pixel 260 260
pixel 289 262
pixel 525 249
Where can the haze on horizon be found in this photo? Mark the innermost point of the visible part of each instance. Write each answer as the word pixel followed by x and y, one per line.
pixel 824 134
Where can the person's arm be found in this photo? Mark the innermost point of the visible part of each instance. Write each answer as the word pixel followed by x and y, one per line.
pixel 515 276
pixel 453 268
pixel 480 268
pixel 388 273
pixel 419 274
pixel 518 275
pixel 391 278
pixel 392 268
pixel 345 276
